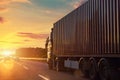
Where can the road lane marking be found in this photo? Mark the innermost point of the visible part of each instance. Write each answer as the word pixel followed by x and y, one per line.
pixel 43 77
pixel 25 67
pixel 18 63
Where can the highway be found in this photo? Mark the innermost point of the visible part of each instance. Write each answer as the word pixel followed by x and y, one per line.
pixel 31 70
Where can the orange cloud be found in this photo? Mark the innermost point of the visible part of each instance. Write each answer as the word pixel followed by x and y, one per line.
pixel 11 42
pixel 3 9
pixel 4 6
pixel 5 2
pixel 23 1
pixel 32 35
pixel 26 40
pixel 2 20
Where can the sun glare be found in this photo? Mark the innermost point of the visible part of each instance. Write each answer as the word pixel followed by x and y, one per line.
pixel 7 53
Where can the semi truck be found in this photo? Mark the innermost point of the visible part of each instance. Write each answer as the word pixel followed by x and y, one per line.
pixel 87 39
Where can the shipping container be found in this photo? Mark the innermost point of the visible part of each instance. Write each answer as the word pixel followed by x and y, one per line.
pixel 89 35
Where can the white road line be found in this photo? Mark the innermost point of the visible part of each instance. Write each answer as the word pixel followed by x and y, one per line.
pixel 25 67
pixel 18 63
pixel 45 78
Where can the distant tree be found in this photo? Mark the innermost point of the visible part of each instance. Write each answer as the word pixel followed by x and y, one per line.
pixel 31 52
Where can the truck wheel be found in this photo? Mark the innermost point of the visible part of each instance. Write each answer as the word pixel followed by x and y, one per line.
pixel 50 65
pixel 60 65
pixel 82 66
pixel 57 66
pixel 93 74
pixel 104 69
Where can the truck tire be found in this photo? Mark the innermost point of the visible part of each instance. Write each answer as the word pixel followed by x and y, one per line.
pixel 93 70
pixel 82 66
pixel 59 64
pixel 104 70
pixel 50 64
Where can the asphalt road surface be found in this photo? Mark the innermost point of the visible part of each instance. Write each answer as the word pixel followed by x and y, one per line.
pixel 32 70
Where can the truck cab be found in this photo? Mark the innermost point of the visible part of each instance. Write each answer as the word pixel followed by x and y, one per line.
pixel 49 48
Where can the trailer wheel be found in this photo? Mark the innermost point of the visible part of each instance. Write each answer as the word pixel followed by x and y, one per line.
pixel 104 69
pixel 93 71
pixel 59 64
pixel 82 66
pixel 50 64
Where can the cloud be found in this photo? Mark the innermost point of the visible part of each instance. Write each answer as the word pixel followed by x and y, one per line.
pixel 48 11
pixel 26 40
pixel 11 42
pixel 3 9
pixel 4 6
pixel 77 3
pixel 2 41
pixel 2 20
pixel 17 42
pixel 6 2
pixel 22 1
pixel 32 35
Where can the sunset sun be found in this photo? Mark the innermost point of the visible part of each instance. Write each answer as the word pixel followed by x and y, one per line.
pixel 7 53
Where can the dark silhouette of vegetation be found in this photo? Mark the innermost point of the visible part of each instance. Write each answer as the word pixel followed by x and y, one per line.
pixel 31 52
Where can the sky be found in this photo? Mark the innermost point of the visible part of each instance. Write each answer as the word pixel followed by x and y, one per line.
pixel 27 23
